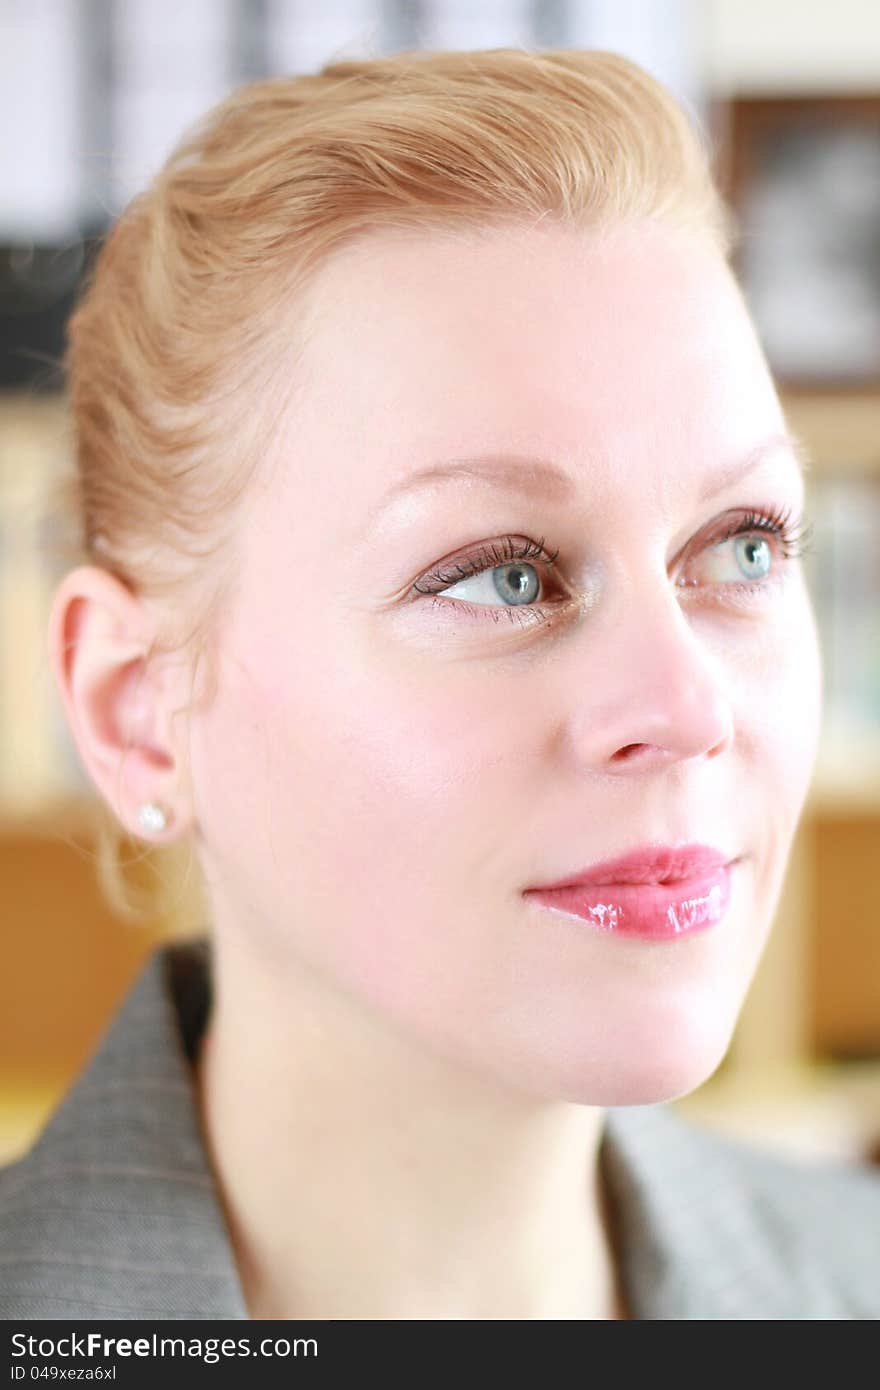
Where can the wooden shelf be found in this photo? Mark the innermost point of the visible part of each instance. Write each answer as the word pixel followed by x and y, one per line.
pixel 847 777
pixel 24 1109
pixel 841 429
pixel 811 1110
pixel 55 818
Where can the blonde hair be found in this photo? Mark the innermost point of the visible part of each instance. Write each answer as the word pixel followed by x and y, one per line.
pixel 190 311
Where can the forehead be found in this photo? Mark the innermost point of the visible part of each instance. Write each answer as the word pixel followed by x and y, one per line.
pixel 513 297
pixel 632 344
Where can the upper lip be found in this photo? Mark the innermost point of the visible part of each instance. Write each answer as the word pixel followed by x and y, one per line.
pixel 650 863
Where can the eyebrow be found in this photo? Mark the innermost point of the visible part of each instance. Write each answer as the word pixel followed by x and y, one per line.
pixel 540 478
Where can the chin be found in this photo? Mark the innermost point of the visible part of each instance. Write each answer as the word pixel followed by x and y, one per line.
pixel 661 1058
pixel 672 1068
pixel 655 1085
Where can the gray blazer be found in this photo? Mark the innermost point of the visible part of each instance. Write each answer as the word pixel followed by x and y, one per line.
pixel 114 1211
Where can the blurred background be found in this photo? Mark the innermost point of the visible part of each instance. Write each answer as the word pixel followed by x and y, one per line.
pixel 93 95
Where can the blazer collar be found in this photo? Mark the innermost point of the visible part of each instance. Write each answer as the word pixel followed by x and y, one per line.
pixel 692 1240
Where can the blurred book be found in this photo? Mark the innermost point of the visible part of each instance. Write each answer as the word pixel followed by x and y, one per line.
pixel 842 569
pixel 38 759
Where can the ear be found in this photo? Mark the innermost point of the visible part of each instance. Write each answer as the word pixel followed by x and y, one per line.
pixel 120 707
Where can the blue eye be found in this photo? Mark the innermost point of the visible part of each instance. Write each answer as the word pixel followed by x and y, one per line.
pixel 516 584
pixel 753 554
pixel 755 546
pixel 508 576
pixel 509 583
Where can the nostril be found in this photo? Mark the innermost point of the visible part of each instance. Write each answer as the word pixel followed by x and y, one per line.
pixel 632 750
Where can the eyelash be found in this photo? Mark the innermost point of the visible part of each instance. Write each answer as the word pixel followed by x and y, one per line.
pixel 794 539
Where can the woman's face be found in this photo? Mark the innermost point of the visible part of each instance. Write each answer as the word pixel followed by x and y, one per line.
pixel 385 771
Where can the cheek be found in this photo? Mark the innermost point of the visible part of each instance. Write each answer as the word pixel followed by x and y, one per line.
pixel 780 702
pixel 777 687
pixel 407 762
pixel 384 815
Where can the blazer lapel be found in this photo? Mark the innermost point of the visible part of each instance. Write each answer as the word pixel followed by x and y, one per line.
pixel 114 1211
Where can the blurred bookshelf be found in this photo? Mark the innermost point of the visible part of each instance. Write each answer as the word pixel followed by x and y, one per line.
pixel 803 1071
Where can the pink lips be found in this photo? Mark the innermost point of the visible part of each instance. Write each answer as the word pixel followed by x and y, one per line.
pixel 658 892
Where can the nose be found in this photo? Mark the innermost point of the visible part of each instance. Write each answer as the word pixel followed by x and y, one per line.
pixel 659 695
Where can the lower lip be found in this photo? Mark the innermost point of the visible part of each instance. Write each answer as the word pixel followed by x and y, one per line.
pixel 654 911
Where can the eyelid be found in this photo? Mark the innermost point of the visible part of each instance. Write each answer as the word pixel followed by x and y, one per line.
pixel 790 530
pixel 790 527
pixel 478 561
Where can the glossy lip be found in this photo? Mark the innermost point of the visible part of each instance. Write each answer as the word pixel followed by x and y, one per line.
pixel 649 863
pixel 659 893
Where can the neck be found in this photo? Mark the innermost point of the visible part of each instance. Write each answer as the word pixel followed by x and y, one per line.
pixel 364 1177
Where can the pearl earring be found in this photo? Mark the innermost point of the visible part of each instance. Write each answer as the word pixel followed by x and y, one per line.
pixel 152 817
